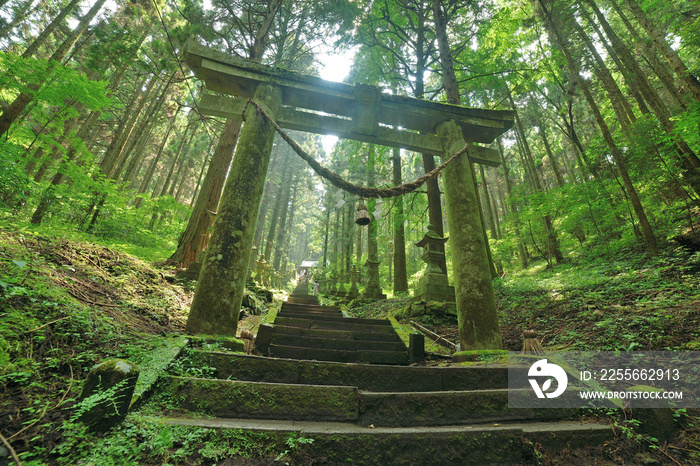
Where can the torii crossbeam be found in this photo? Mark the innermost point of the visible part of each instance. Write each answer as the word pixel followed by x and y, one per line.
pixel 360 112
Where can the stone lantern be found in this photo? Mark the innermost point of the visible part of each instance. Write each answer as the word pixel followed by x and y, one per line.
pixel 373 289
pixel 340 291
pixel 251 264
pixel 433 286
pixel 353 292
pixel 261 270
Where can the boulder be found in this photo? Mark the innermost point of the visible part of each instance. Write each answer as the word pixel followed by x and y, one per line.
pixel 106 396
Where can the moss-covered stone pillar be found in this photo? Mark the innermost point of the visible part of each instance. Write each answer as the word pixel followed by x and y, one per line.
pixel 476 305
pixel 217 299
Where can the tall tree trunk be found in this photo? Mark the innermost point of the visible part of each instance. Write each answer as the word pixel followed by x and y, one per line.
pixel 649 238
pixel 205 163
pixel 552 240
pixel 487 204
pixel 689 79
pixel 431 186
pixel 551 156
pixel 621 107
pixel 513 208
pixel 325 233
pixel 194 239
pixel 281 230
pixel 399 259
pixel 112 155
pixel 23 99
pixel 49 28
pixel 154 163
pixel 653 58
pixel 281 197
pixel 689 159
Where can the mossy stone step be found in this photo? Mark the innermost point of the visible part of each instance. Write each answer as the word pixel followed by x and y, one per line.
pixel 304 299
pixel 262 400
pixel 316 317
pixel 310 307
pixel 313 305
pixel 309 314
pixel 358 356
pixel 338 334
pixel 403 409
pixel 320 324
pixel 364 376
pixel 339 344
pixel 302 310
pixel 345 443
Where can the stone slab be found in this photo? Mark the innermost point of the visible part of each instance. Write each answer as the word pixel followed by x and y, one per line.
pixel 333 318
pixel 330 333
pixel 437 408
pixel 327 325
pixel 356 356
pixel 364 376
pixel 262 400
pixel 346 443
pixel 340 344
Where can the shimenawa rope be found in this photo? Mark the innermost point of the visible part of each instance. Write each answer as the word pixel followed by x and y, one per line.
pixel 339 182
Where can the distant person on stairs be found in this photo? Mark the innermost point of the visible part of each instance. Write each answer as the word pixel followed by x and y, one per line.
pixel 316 286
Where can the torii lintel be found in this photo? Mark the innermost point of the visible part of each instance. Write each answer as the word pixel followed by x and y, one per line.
pixel 360 112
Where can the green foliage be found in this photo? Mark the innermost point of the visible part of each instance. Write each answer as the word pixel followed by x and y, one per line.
pixel 59 85
pixel 624 304
pixel 141 440
pixel 293 443
pixel 15 186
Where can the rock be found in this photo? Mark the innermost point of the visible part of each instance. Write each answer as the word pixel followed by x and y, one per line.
pixel 106 396
pixel 657 422
pixel 268 296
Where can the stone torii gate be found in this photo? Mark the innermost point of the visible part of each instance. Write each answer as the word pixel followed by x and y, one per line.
pixel 360 112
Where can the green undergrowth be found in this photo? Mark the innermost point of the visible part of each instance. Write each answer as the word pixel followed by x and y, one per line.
pixel 66 305
pixel 633 303
pixel 141 440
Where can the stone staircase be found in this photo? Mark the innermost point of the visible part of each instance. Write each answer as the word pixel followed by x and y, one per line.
pixel 346 384
pixel 305 330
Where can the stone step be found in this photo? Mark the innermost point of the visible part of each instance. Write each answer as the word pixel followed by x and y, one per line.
pixel 310 314
pixel 366 377
pixel 346 443
pixel 265 400
pixel 325 325
pixel 328 317
pixel 302 301
pixel 404 409
pixel 311 307
pixel 262 400
pixel 339 344
pixel 311 310
pixel 357 356
pixel 337 334
pixel 302 298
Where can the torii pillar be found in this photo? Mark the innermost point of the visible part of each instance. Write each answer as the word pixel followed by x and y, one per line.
pixel 477 314
pixel 219 293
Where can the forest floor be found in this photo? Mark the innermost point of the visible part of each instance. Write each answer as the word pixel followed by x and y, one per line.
pixel 66 305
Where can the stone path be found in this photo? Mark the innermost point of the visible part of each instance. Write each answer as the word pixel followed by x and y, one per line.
pixel 305 330
pixel 346 384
